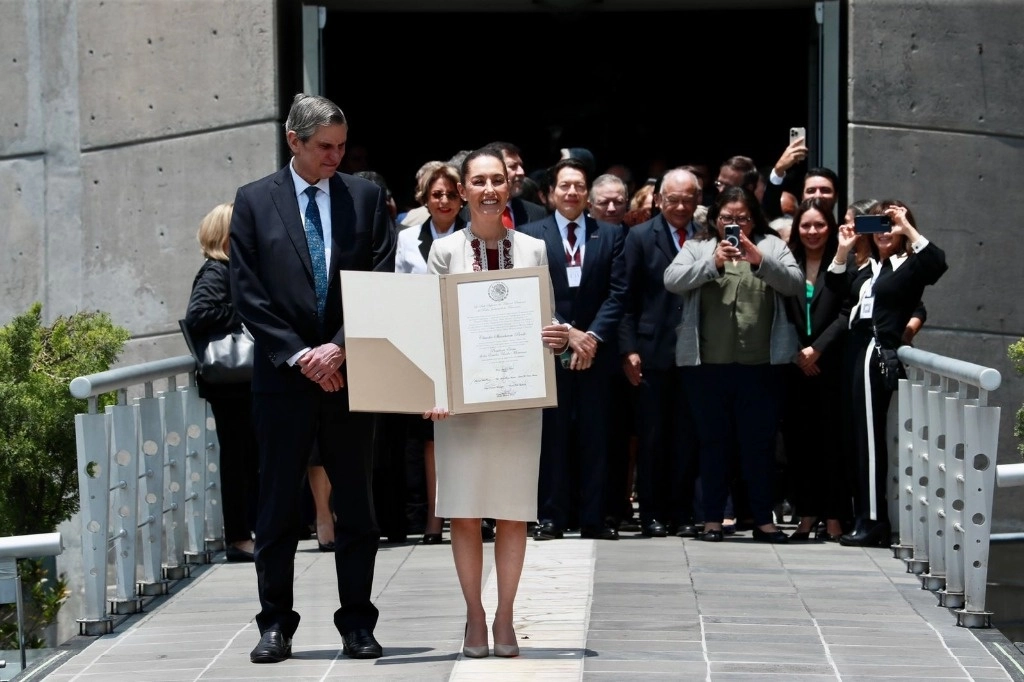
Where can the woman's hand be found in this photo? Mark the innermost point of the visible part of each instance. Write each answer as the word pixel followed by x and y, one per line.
pixel 725 252
pixel 437 414
pixel 901 225
pixel 555 336
pixel 847 240
pixel 749 252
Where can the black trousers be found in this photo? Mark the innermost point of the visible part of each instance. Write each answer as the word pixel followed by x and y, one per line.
pixel 574 449
pixel 869 464
pixel 737 405
pixel 287 425
pixel 666 458
pixel 239 459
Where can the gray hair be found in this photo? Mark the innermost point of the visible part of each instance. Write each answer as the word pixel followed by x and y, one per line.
pixel 607 179
pixel 311 112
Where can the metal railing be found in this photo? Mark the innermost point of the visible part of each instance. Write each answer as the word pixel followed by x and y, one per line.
pixel 948 439
pixel 149 485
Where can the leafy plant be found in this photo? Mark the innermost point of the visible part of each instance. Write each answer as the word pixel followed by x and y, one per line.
pixel 38 461
pixel 41 607
pixel 38 454
pixel 1016 353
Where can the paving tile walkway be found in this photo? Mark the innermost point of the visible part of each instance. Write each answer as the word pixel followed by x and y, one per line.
pixel 636 609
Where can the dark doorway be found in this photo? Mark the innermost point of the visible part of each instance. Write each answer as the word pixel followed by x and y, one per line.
pixel 685 86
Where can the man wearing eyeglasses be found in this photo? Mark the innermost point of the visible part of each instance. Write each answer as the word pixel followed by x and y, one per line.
pixel 608 201
pixel 666 459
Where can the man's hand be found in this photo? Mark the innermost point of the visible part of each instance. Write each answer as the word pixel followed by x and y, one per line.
pixel 578 362
pixel 583 344
pixel 322 363
pixel 332 382
pixel 794 154
pixel 632 367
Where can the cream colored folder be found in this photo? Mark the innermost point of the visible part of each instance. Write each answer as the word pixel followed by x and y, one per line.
pixel 469 342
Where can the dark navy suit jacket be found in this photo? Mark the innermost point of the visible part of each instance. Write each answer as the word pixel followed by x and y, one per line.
pixel 272 275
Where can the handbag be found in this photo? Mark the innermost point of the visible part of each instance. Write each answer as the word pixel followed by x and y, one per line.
pixel 889 367
pixel 226 359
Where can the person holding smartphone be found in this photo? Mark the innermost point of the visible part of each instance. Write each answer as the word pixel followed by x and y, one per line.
pixel 884 298
pixel 732 343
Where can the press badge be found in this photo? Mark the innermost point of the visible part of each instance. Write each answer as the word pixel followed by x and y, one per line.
pixel 573 273
pixel 866 306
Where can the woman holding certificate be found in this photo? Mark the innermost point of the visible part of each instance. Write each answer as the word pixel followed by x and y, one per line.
pixel 488 463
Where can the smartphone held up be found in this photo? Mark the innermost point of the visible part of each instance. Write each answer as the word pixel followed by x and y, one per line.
pixel 797 134
pixel 872 224
pixel 732 234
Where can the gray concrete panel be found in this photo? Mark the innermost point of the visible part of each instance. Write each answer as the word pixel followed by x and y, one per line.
pixel 156 69
pixel 19 73
pixel 140 212
pixel 963 191
pixel 951 65
pixel 22 261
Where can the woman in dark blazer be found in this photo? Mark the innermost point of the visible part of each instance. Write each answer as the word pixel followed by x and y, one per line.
pixel 210 314
pixel 886 294
pixel 811 415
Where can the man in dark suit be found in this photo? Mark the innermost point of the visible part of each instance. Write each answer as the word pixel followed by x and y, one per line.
pixel 665 467
pixel 587 277
pixel 291 233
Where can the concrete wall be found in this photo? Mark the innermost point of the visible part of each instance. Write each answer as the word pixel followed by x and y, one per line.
pixel 122 124
pixel 935 120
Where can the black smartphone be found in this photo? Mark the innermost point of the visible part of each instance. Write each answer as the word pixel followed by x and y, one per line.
pixel 732 234
pixel 871 224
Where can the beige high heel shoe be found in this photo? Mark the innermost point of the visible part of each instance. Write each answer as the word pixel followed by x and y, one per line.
pixel 481 651
pixel 506 650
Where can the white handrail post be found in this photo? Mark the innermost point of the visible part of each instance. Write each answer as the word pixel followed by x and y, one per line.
pixel 952 596
pixel 904 549
pixel 981 430
pixel 918 564
pixel 935 579
pixel 195 476
pixel 94 498
pixel 214 499
pixel 124 470
pixel 151 494
pixel 175 566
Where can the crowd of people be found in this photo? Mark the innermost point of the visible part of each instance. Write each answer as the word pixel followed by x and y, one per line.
pixel 723 346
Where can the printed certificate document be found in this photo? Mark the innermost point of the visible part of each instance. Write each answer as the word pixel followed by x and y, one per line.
pixel 469 342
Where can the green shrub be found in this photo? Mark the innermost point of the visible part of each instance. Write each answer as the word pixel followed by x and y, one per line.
pixel 1016 353
pixel 38 455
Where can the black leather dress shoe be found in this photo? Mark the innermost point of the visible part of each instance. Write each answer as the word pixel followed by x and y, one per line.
pixel 775 537
pixel 360 643
pixel 602 533
pixel 653 529
pixel 431 538
pixel 274 647
pixel 547 530
pixel 237 555
pixel 688 530
pixel 716 535
pixel 871 534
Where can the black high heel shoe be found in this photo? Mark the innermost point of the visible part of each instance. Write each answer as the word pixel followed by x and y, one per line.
pixel 775 537
pixel 431 538
pixel 871 534
pixel 805 535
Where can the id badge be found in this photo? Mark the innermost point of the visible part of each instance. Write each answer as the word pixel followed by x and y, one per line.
pixel 866 306
pixel 573 273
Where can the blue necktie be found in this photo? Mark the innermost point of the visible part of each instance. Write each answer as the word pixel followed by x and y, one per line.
pixel 315 240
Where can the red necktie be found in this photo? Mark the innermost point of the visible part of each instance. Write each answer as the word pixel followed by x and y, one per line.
pixel 572 258
pixel 506 218
pixel 681 236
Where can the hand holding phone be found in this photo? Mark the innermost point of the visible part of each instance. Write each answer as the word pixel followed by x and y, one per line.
pixel 797 134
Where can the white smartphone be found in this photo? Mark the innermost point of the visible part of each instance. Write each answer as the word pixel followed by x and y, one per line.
pixel 797 133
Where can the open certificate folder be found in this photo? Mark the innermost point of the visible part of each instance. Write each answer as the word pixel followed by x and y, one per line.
pixel 469 342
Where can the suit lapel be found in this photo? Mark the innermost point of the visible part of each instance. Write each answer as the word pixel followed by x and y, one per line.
pixel 593 245
pixel 556 252
pixel 283 196
pixel 663 235
pixel 426 239
pixel 342 229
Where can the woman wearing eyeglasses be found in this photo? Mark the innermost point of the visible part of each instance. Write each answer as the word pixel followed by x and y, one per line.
pixel 733 341
pixel 438 191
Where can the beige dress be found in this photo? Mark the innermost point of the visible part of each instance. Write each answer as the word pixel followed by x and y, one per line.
pixel 487 463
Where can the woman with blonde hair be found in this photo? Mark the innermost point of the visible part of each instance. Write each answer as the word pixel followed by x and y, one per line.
pixel 210 314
